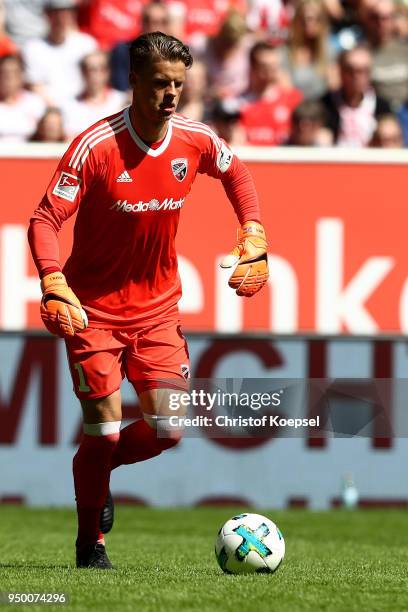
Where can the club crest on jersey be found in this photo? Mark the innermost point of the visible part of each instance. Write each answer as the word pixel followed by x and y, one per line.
pixel 179 167
pixel 67 186
pixel 185 371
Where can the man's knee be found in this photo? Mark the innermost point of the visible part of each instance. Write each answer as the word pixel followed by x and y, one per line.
pixel 166 443
pixel 168 434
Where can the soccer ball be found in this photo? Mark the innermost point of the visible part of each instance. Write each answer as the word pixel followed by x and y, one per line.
pixel 249 544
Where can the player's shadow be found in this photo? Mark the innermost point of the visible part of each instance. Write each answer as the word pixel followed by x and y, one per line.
pixel 34 566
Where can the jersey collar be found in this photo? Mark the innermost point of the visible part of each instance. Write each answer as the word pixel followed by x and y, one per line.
pixel 142 145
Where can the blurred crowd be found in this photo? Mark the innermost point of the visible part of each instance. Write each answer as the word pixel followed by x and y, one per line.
pixel 266 72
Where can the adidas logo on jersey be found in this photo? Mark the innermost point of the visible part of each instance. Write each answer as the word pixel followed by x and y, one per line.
pixel 124 178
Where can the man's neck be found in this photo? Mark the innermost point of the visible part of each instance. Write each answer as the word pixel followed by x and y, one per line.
pixel 148 132
pixel 377 42
pixel 95 94
pixel 353 100
pixel 266 91
pixel 57 37
pixel 10 99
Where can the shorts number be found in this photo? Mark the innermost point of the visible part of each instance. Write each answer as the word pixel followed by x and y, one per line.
pixel 82 382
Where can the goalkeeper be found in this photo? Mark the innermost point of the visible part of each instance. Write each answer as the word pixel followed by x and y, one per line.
pixel 115 300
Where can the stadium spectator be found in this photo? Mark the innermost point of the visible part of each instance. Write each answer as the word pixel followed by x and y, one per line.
pixel 52 63
pixel 390 54
pixel 336 9
pixel 225 119
pixel 204 18
pixel 308 126
pixel 352 110
pixel 265 72
pixel 155 17
pixel 25 19
pixel 268 103
pixel 269 19
pixel 193 101
pixel 401 19
pixel 308 58
pixel 97 99
pixel 177 18
pixel 226 57
pixel 403 119
pixel 111 22
pixel 7 45
pixel 50 127
pixel 19 109
pixel 388 133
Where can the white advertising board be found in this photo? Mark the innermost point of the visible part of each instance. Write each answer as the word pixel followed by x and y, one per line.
pixel 40 424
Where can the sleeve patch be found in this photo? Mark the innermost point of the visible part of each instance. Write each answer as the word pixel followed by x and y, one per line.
pixel 67 186
pixel 224 158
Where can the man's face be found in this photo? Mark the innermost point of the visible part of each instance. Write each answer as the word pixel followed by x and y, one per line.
pixel 60 19
pixel 389 135
pixel 155 18
pixel 356 72
pixel 196 82
pixel 265 68
pixel 96 70
pixel 306 131
pixel 381 20
pixel 157 89
pixel 11 78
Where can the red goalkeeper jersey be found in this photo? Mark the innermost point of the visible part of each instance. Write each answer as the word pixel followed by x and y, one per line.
pixel 128 197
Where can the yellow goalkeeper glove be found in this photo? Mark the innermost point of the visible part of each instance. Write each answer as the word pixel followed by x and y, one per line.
pixel 250 254
pixel 61 311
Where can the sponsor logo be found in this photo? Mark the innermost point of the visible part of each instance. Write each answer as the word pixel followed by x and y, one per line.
pixel 185 371
pixel 254 230
pixel 224 158
pixel 124 178
pixel 67 186
pixel 179 167
pixel 151 206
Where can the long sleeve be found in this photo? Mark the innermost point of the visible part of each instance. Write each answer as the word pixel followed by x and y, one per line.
pixel 61 200
pixel 44 246
pixel 218 161
pixel 240 189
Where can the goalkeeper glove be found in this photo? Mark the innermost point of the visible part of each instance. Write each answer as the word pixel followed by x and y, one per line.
pixel 251 273
pixel 61 310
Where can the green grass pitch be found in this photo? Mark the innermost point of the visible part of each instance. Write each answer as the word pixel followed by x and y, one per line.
pixel 165 561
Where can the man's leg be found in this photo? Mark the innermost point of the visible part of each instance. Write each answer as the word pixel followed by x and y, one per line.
pixel 150 436
pixel 95 357
pixel 92 467
pixel 156 358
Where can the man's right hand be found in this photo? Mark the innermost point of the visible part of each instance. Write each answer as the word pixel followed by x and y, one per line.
pixel 250 254
pixel 61 311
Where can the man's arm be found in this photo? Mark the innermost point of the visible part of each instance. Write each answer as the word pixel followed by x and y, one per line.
pixel 61 310
pixel 43 240
pixel 240 189
pixel 250 253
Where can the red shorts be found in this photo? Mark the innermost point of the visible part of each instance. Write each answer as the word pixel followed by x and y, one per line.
pixel 150 358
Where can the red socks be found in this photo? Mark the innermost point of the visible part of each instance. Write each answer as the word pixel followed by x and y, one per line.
pixel 97 455
pixel 92 467
pixel 138 442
